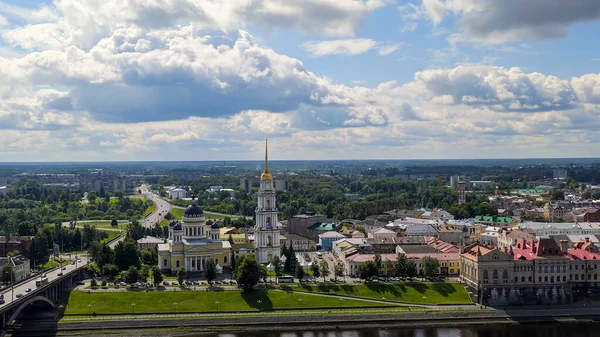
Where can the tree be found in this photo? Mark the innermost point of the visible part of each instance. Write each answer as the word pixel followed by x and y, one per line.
pixel 248 272
pixel 144 272
pixel 291 260
pixel 210 270
pixel 93 282
pixel 181 275
pixel 110 270
pixel 8 274
pixel 324 269
pixel 114 223
pixel 367 270
pixel 263 272
pixel 411 268
pixel 299 271
pixel 400 266
pixel 277 264
pixel 132 275
pixel 126 254
pixel 157 275
pixel 431 266
pixel 315 270
pixel 378 262
pixel 150 257
pixel 338 270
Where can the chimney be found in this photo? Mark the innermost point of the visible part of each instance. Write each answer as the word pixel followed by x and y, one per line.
pixel 564 245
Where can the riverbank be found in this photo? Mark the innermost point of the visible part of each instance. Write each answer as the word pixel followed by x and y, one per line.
pixel 322 320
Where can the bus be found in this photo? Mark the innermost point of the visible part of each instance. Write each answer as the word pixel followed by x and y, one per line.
pixel 319 255
pixel 42 281
pixel 285 279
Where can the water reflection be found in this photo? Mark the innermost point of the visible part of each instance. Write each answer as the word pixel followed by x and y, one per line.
pixel 564 330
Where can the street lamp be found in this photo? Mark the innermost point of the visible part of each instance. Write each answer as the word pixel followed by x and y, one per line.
pixel 89 309
pixel 133 307
pixel 424 298
pixel 217 303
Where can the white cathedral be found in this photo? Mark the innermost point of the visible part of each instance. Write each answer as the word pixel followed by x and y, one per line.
pixel 266 232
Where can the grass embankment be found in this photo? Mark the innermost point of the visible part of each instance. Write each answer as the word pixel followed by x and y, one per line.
pixel 197 301
pixel 149 210
pixel 409 292
pixel 177 213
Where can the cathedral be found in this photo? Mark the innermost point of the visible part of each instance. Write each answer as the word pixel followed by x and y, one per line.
pixel 195 239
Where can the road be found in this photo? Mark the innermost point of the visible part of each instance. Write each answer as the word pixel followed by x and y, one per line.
pixel 162 208
pixel 10 295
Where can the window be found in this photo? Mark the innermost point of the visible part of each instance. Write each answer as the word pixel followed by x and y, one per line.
pixel 224 259
pixel 516 279
pixel 545 278
pixel 576 277
pixel 268 221
pixel 576 266
pixel 545 268
pixel 495 274
pixel 165 262
pixel 539 279
pixel 582 277
pixel 589 276
pixel 485 275
pixel 564 268
pixel 177 264
pixel 523 278
pixel 268 203
pixel 269 243
pixel 552 268
pixel 564 279
pixel 551 279
pixel 505 275
pixel 540 269
pixel 216 261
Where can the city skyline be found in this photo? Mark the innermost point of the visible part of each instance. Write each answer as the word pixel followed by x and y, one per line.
pixel 191 80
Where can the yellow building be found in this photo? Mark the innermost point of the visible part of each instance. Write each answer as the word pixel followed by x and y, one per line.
pixel 193 242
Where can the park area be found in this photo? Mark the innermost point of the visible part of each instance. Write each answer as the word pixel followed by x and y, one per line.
pixel 103 303
pixel 409 292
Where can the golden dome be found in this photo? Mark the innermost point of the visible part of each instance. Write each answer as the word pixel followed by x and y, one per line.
pixel 266 174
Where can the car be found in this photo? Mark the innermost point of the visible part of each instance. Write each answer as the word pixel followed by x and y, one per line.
pixel 19 295
pixel 73 262
pixel 196 283
pixel 44 275
pixel 175 283
pixel 166 283
pixel 2 302
pixel 28 290
pixel 122 284
pixel 59 274
pixel 63 268
pixel 80 283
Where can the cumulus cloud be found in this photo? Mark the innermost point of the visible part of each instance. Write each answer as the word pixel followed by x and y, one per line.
pixel 499 21
pixel 500 88
pixel 348 47
pixel 587 88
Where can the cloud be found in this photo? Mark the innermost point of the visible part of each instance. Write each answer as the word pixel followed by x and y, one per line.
pixel 499 88
pixel 500 21
pixel 587 88
pixel 348 47
pixel 388 49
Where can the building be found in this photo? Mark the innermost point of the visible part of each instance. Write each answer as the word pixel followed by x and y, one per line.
pixel 246 184
pixel 421 230
pixel 281 185
pixel 326 239
pixel 382 234
pixel 193 242
pixel 266 232
pixel 462 194
pixel 10 244
pixel 559 174
pixel 177 193
pixel 310 225
pixel 454 180
pixel 300 243
pixel 21 265
pixel 481 183
pixel 149 242
pixel 590 214
pixel 510 237
pixel 3 191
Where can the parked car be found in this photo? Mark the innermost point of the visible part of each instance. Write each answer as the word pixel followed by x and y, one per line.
pixel 59 274
pixel 175 283
pixel 196 283
pixel 166 283
pixel 19 295
pixel 63 268
pixel 2 301
pixel 28 290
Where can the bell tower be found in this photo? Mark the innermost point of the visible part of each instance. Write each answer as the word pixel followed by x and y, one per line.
pixel 266 233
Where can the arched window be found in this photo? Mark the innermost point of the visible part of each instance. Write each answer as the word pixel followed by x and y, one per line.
pixel 582 277
pixel 551 279
pixel 552 268
pixel 545 268
pixel 268 203
pixel 165 262
pixel 530 278
pixel 564 268
pixel 269 243
pixel 224 259
pixel 564 279
pixel 505 274
pixel 539 279
pixel 540 268
pixel 545 278
pixel 177 263
pixel 576 277
pixel 495 274
pixel 523 278
pixel 516 279
pixel 268 221
pixel 485 275
pixel 589 276
pixel 595 276
pixel 216 261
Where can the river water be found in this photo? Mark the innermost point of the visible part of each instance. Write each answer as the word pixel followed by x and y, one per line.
pixel 558 330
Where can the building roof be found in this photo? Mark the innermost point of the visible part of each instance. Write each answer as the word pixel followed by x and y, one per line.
pixel 495 219
pixel 420 229
pixel 193 211
pixel 441 245
pixel 323 226
pixel 150 240
pixel 383 231
pixel 331 235
pixel 417 249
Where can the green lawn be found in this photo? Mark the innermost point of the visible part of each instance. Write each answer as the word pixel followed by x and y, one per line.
pixel 164 222
pixel 149 210
pixel 177 213
pixel 196 301
pixel 435 293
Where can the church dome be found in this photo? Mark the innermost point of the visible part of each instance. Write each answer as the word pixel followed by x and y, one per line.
pixel 215 226
pixel 193 211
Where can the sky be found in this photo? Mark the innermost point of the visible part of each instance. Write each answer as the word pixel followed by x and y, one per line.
pixel 114 80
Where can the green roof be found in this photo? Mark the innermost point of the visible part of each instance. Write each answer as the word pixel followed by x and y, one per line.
pixel 530 191
pixel 322 226
pixel 494 219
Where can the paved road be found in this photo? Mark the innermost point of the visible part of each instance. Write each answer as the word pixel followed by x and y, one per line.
pixel 10 295
pixel 162 208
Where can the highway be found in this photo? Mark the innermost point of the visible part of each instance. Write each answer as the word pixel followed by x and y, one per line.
pixel 162 208
pixel 10 295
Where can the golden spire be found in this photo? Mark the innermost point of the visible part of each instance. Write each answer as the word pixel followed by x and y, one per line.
pixel 266 174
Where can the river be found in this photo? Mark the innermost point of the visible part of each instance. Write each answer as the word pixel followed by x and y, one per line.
pixel 557 330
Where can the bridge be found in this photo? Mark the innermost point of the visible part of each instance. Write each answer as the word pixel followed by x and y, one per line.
pixel 26 293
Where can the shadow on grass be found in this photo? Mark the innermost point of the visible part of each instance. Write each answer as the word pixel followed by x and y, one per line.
pixel 383 289
pixel 443 289
pixel 257 299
